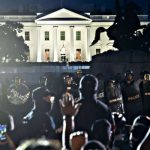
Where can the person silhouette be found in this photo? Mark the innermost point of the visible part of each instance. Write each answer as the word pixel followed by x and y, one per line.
pixel 88 87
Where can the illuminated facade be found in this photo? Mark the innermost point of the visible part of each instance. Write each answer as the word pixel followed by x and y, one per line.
pixel 63 35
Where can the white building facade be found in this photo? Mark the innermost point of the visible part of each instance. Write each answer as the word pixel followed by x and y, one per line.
pixel 63 35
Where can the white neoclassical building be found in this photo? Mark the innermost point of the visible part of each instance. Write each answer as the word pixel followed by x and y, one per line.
pixel 64 35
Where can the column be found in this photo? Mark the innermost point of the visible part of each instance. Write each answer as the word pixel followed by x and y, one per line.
pixel 39 49
pixel 72 51
pixel 55 50
pixel 88 50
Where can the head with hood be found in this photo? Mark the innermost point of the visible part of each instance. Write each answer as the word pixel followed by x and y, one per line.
pixel 43 99
pixel 129 75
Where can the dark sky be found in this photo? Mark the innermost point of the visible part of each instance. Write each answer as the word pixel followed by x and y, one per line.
pixel 8 5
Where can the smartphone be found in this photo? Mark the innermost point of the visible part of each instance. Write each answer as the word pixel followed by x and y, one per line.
pixel 3 130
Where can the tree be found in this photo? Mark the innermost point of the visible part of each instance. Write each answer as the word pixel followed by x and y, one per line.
pixel 12 47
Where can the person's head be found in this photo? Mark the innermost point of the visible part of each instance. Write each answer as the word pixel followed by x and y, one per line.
pixel 93 145
pixel 145 76
pixel 78 139
pixel 118 77
pixel 101 131
pixel 17 80
pixel 79 73
pixel 43 99
pixel 100 76
pixel 145 120
pixel 43 81
pixel 68 79
pixel 120 121
pixel 88 86
pixel 143 73
pixel 39 144
pixel 129 75
pixel 138 131
pixel 111 83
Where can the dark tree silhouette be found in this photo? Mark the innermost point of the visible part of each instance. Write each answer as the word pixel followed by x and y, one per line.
pixel 125 30
pixel 12 47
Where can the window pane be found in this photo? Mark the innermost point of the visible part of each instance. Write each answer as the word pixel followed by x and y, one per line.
pixel 78 35
pixel 62 35
pixel 46 35
pixel 27 36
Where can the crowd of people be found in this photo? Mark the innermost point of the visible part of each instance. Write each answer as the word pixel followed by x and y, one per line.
pixel 80 112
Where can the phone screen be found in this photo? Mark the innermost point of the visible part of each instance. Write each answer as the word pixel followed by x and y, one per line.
pixel 147 77
pixel 3 130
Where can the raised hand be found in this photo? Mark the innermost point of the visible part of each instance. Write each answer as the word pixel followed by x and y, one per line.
pixel 68 107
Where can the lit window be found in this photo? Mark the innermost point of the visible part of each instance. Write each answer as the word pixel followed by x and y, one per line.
pixel 46 35
pixel 62 35
pixel 78 54
pixel 47 55
pixel 98 51
pixel 78 35
pixel 27 36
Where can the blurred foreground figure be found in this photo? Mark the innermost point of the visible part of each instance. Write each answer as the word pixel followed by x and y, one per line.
pixel 39 144
pixel 78 139
pixel 145 144
pixel 138 131
pixel 94 145
pixel 101 131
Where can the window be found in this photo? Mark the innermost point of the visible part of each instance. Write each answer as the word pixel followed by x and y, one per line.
pixel 78 35
pixel 47 55
pixel 27 36
pixel 98 51
pixel 62 35
pixel 63 54
pixel 46 35
pixel 63 58
pixel 78 54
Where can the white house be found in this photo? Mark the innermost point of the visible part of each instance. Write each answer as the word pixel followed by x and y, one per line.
pixel 64 35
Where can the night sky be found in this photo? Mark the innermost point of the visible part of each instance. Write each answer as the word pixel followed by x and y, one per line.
pixel 84 5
